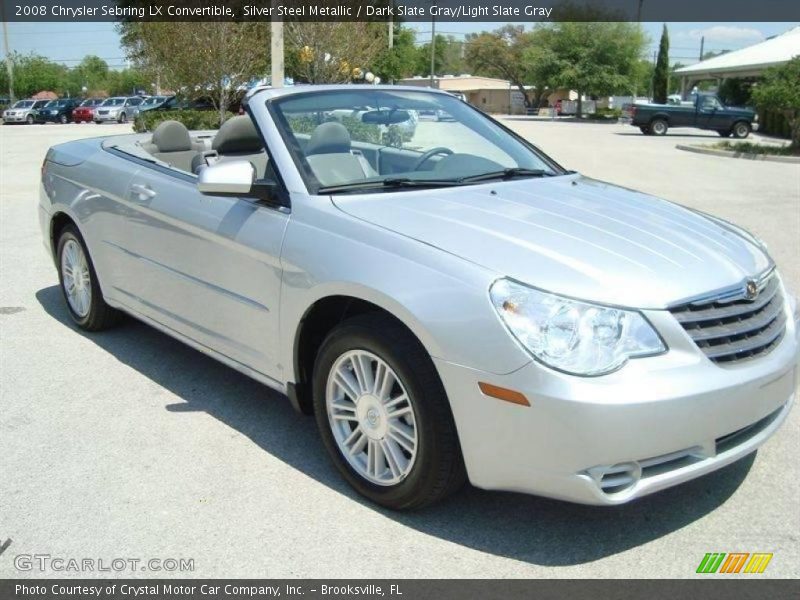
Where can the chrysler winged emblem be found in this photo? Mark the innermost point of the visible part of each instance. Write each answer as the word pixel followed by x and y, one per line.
pixel 750 289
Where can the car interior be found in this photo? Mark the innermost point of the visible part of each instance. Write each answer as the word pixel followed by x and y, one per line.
pixel 328 151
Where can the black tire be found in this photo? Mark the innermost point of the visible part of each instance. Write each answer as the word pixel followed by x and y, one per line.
pixel 123 118
pixel 741 130
pixel 30 120
pixel 645 129
pixel 725 133
pixel 438 469
pixel 100 315
pixel 659 127
pixel 63 119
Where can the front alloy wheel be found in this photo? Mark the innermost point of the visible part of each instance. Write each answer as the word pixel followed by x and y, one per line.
pixel 383 414
pixel 371 416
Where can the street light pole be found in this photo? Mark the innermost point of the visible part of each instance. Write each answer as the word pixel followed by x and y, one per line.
pixel 433 48
pixel 276 53
pixel 9 60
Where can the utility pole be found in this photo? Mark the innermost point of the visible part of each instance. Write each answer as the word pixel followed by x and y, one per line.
pixel 9 60
pixel 276 53
pixel 391 42
pixel 702 45
pixel 433 48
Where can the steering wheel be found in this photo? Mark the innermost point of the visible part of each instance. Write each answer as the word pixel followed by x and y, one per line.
pixel 429 155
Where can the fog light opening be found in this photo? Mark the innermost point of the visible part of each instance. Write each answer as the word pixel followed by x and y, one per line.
pixel 617 478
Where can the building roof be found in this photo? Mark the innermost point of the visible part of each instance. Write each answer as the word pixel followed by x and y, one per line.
pixel 461 83
pixel 752 60
pixel 45 95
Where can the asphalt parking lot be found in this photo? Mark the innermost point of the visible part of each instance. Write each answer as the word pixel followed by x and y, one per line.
pixel 128 444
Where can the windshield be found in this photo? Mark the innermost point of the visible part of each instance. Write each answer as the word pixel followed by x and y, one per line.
pixel 374 140
pixel 23 104
pixel 113 102
pixel 153 100
pixel 91 102
pixel 55 103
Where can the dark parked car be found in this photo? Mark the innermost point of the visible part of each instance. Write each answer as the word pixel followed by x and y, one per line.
pixel 85 112
pixel 56 111
pixel 706 112
pixel 202 103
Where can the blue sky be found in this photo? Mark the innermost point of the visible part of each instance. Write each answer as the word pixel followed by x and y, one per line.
pixel 70 42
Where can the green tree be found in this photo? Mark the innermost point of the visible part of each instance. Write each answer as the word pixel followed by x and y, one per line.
pixel 593 58
pixel 332 52
pixel 209 59
pixel 399 61
pixel 661 72
pixel 34 73
pixel 780 91
pixel 501 53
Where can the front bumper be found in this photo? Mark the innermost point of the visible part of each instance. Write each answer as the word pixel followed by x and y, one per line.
pixel 104 118
pixel 655 423
pixel 15 118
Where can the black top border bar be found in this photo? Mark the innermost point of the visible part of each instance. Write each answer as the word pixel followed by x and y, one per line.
pixel 465 11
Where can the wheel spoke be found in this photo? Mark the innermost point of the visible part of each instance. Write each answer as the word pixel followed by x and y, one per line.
pixel 399 412
pixel 347 383
pixel 384 381
pixel 357 441
pixel 362 368
pixel 392 457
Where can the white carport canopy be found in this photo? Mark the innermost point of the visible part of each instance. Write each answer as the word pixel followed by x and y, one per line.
pixel 747 62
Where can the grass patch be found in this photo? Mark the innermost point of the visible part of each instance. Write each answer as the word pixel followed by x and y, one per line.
pixel 752 148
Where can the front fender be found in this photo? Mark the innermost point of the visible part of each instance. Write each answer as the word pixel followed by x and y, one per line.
pixel 441 298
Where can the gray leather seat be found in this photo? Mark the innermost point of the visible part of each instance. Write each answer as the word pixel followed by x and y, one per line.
pixel 330 155
pixel 172 144
pixel 238 139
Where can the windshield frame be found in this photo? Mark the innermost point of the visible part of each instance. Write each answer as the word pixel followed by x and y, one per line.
pixel 314 186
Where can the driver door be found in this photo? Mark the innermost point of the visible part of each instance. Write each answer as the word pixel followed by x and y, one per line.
pixel 207 267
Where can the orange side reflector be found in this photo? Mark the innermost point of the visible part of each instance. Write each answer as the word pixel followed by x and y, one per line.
pixel 503 394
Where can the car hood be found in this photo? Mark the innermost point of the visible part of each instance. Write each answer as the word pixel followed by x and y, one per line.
pixel 573 235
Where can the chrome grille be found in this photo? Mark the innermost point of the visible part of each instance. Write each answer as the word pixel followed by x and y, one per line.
pixel 730 329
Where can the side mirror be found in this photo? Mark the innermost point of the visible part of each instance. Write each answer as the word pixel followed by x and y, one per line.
pixel 235 178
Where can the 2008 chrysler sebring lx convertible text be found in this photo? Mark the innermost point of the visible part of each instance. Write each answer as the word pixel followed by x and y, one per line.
pixel 445 299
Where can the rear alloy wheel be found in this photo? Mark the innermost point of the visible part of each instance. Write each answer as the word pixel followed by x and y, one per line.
pixel 123 118
pixel 63 119
pixel 741 130
pixel 79 284
pixel 29 119
pixel 384 416
pixel 659 127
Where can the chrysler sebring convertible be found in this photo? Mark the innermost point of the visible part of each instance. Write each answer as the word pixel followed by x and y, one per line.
pixel 448 302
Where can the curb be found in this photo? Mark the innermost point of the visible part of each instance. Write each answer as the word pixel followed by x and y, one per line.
pixel 730 154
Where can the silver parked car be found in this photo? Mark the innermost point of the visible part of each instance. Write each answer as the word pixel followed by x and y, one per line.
pixel 119 109
pixel 23 111
pixel 454 306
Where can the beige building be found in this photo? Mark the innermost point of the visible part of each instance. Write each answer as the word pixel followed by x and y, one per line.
pixel 488 94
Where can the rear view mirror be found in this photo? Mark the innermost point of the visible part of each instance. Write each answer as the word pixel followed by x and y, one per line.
pixel 235 178
pixel 385 117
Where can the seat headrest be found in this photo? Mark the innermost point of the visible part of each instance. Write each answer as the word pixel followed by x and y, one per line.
pixel 329 138
pixel 237 134
pixel 172 136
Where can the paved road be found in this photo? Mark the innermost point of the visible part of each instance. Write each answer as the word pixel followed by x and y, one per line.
pixel 128 444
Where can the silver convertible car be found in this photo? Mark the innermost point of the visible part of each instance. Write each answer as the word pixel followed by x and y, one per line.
pixel 449 303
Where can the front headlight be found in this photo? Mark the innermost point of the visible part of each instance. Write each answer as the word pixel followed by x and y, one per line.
pixel 573 336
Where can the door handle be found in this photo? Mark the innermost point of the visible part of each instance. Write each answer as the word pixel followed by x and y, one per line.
pixel 143 191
